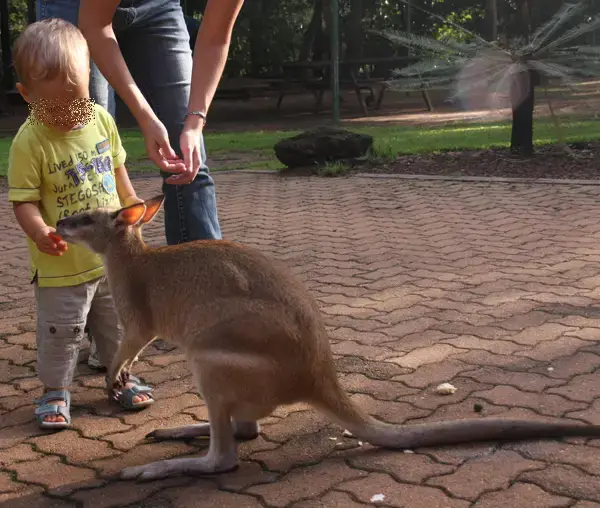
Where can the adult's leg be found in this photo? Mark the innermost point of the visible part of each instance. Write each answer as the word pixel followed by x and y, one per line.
pixel 156 48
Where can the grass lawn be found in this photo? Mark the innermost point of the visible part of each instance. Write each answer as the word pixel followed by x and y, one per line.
pixel 257 147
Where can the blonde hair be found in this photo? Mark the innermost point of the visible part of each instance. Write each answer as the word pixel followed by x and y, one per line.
pixel 49 49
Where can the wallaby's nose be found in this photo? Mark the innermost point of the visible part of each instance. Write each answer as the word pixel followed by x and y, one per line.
pixel 60 221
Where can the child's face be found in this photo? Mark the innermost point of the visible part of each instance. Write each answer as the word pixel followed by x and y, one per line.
pixel 58 105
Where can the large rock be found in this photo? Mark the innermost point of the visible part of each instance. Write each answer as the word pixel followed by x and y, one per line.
pixel 321 145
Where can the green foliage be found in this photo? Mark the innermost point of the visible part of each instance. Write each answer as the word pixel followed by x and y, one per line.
pixel 269 33
pixel 333 169
pixel 476 63
pixel 446 31
pixel 17 17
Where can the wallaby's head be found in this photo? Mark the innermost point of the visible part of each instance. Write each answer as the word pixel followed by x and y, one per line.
pixel 100 228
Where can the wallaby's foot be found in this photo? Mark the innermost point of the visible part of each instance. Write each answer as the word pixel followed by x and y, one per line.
pixel 243 431
pixel 246 431
pixel 192 466
pixel 185 432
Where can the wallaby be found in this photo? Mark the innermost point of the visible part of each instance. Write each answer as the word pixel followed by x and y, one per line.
pixel 254 339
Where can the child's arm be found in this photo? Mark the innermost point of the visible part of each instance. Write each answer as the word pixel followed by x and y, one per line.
pixel 24 181
pixel 31 222
pixel 125 189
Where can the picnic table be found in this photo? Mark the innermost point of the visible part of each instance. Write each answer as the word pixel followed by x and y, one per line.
pixel 315 76
pixel 243 89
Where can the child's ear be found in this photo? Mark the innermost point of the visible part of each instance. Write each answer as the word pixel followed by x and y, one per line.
pixel 23 91
pixel 131 215
pixel 152 207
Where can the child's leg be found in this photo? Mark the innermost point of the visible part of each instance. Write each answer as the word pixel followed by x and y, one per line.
pixel 61 316
pixel 93 358
pixel 107 332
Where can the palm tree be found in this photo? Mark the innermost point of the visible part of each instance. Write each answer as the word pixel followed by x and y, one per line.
pixel 515 68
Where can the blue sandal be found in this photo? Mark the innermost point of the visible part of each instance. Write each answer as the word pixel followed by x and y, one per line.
pixel 125 396
pixel 45 408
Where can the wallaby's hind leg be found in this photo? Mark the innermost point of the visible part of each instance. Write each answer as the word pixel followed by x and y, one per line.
pixel 221 456
pixel 243 431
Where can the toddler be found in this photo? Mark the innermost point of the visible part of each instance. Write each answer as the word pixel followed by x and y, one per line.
pixel 67 157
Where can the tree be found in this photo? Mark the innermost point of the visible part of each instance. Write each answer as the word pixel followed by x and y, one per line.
pixel 491 19
pixel 515 70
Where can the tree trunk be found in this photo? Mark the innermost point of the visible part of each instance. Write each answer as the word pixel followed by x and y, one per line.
pixel 522 98
pixel 326 33
pixel 354 32
pixel 309 38
pixel 491 19
pixel 7 76
pixel 256 37
pixel 31 11
pixel 524 18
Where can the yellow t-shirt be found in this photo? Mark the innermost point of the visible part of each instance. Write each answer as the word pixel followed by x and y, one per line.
pixel 67 173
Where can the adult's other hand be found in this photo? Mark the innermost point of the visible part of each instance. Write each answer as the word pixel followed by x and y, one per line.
pixel 158 148
pixel 189 142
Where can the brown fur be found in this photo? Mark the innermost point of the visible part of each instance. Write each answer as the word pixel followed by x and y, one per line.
pixel 254 338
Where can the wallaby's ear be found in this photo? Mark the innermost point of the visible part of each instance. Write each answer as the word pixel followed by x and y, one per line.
pixel 131 215
pixel 152 207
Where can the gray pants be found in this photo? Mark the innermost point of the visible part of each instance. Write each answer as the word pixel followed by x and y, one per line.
pixel 62 314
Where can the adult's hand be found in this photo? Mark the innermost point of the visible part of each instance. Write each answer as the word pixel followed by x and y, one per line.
pixel 209 57
pixel 189 142
pixel 158 148
pixel 95 22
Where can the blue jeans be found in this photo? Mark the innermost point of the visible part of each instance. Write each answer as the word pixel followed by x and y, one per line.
pixel 154 40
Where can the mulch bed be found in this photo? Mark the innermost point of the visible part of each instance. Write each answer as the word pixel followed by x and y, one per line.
pixel 579 161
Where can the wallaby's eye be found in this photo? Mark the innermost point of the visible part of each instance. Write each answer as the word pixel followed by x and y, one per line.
pixel 86 221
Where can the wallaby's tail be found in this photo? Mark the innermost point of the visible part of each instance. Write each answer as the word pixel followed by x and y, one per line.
pixel 336 403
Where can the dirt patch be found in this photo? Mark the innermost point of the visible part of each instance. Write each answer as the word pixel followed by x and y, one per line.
pixel 578 161
pixel 572 161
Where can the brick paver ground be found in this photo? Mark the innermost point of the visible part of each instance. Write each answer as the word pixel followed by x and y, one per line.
pixel 493 287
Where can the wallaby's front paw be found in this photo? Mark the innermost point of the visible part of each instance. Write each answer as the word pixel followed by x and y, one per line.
pixel 124 377
pixel 118 381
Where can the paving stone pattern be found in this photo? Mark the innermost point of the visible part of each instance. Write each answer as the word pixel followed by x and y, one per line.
pixel 493 287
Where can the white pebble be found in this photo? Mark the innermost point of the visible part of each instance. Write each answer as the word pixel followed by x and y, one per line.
pixel 408 451
pixel 446 389
pixel 347 433
pixel 377 498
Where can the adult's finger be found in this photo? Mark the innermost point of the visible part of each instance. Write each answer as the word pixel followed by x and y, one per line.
pixel 181 179
pixel 187 150
pixel 166 149
pixel 169 165
pixel 196 162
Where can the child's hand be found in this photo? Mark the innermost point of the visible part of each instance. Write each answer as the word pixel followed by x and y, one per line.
pixel 49 242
